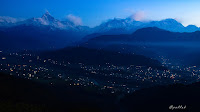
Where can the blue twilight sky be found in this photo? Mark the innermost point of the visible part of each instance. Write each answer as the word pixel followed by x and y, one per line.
pixel 93 12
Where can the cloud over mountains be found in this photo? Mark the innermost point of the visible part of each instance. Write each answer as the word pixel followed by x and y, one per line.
pixel 74 19
pixel 138 16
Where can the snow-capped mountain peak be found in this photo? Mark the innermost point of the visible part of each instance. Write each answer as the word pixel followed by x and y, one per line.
pixel 47 16
pixel 129 25
pixel 8 21
pixel 46 20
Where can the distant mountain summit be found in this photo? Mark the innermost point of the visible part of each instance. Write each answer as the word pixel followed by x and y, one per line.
pixel 48 20
pixel 47 16
pixel 168 24
pixel 192 28
pixel 8 21
pixel 120 26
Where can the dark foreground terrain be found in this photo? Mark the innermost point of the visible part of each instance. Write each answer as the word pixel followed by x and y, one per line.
pixel 21 95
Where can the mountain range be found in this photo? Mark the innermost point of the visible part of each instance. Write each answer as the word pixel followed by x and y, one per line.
pixel 47 32
pixel 46 20
pixel 126 25
pixel 152 42
pixel 121 26
pixel 144 35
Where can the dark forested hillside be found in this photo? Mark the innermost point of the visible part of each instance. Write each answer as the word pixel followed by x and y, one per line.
pixel 37 38
pixel 100 57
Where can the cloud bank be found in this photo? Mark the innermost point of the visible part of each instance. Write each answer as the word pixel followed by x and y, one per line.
pixel 74 19
pixel 138 16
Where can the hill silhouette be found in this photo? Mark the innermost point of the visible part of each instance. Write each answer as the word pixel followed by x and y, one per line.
pixel 100 57
pixel 158 99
